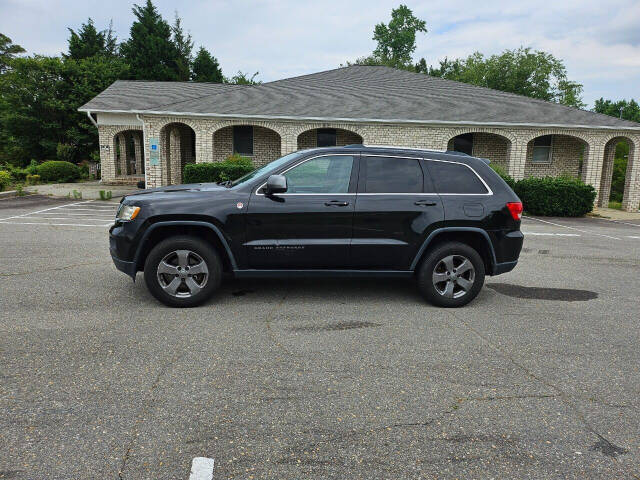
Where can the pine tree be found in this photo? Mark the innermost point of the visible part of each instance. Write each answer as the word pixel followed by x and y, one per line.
pixel 205 68
pixel 150 50
pixel 184 47
pixel 89 42
pixel 8 50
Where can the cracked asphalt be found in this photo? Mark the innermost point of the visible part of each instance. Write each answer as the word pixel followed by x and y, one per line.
pixel 537 378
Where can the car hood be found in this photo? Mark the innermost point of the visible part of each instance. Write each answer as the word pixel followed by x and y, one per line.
pixel 171 192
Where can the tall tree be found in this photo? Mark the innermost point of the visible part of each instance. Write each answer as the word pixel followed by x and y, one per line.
pixel 184 48
pixel 205 68
pixel 8 50
pixel 534 74
pixel 397 40
pixel 627 110
pixel 89 42
pixel 150 50
pixel 242 78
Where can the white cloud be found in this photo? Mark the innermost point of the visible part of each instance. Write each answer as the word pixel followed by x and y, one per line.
pixel 599 41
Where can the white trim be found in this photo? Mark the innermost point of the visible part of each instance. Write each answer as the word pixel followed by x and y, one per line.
pixel 460 123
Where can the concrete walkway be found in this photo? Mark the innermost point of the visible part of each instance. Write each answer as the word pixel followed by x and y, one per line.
pixel 614 214
pixel 89 190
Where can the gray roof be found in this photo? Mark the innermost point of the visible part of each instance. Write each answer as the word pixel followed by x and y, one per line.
pixel 356 93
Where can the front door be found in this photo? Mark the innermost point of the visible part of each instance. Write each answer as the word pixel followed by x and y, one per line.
pixel 396 208
pixel 310 225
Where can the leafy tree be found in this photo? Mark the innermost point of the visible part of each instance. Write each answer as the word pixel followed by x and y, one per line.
pixel 627 110
pixel 184 48
pixel 397 40
pixel 8 50
pixel 205 68
pixel 150 51
pixel 40 97
pixel 89 42
pixel 242 78
pixel 535 74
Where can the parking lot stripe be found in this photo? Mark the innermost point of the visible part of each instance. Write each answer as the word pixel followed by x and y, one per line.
pixel 44 210
pixel 92 219
pixel 57 224
pixel 202 468
pixel 571 228
pixel 549 234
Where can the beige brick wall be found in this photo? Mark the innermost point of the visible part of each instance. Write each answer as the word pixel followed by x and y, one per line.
pixel 274 138
pixel 566 158
pixel 309 139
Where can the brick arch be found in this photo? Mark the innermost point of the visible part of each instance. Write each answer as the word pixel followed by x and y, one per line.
pixel 176 149
pixel 304 138
pixel 631 139
pixel 121 163
pixel 630 196
pixel 277 128
pixel 267 140
pixel 494 131
pixel 341 126
pixel 588 139
pixel 485 144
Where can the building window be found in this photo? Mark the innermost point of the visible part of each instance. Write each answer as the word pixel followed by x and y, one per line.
pixel 463 143
pixel 243 139
pixel 326 137
pixel 542 149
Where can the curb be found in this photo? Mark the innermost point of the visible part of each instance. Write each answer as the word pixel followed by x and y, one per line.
pixel 9 194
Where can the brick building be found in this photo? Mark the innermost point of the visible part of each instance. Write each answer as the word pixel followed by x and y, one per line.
pixel 152 129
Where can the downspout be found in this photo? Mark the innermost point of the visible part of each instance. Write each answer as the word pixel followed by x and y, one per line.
pixel 144 150
pixel 92 120
pixel 95 124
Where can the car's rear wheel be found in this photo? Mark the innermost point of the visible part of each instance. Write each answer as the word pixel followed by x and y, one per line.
pixel 451 275
pixel 182 271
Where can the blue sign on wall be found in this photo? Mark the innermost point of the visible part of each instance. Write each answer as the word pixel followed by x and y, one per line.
pixel 154 149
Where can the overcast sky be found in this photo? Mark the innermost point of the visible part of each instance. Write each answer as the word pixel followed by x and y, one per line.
pixel 599 41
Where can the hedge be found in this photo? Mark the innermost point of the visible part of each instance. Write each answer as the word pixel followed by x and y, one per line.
pixel 5 179
pixel 555 196
pixel 58 171
pixel 230 169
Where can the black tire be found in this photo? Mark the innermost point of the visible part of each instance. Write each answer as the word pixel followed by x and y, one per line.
pixel 447 287
pixel 199 251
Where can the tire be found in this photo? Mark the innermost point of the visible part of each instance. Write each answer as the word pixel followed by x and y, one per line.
pixel 183 271
pixel 440 278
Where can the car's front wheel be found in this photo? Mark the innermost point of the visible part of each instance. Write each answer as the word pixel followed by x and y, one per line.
pixel 182 271
pixel 451 275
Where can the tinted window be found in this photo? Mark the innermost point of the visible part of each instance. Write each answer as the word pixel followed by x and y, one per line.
pixel 321 175
pixel 392 175
pixel 243 140
pixel 455 178
pixel 463 143
pixel 326 137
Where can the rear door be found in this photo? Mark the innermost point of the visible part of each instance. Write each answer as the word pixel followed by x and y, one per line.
pixel 310 225
pixel 396 208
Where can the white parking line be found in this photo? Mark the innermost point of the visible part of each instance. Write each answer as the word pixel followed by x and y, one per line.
pixel 43 210
pixel 633 236
pixel 547 234
pixel 56 224
pixel 571 228
pixel 202 468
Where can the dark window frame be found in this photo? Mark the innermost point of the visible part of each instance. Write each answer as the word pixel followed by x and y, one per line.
pixel 327 132
pixel 542 147
pixel 243 128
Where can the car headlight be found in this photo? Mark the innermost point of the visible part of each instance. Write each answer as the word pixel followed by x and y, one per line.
pixel 127 212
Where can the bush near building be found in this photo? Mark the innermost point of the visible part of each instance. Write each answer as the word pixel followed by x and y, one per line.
pixel 58 171
pixel 232 168
pixel 556 196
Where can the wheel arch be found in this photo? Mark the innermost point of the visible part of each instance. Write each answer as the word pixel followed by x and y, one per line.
pixel 161 230
pixel 476 238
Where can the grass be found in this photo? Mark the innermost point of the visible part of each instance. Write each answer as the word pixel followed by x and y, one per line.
pixel 616 205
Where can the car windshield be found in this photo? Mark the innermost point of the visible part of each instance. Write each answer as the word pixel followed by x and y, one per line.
pixel 270 167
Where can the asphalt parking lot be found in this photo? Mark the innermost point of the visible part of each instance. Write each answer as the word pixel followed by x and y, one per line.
pixel 360 379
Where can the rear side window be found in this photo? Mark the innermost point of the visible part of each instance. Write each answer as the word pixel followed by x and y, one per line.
pixel 455 178
pixel 391 175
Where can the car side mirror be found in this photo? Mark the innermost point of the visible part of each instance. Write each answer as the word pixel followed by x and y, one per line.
pixel 276 184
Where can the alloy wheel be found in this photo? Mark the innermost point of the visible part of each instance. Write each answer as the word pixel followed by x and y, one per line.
pixel 453 276
pixel 182 273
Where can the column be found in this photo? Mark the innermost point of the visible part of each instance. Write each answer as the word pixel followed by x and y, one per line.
pixel 607 174
pixel 137 150
pixel 175 156
pixel 592 165
pixel 121 165
pixel 107 154
pixel 516 159
pixel 631 197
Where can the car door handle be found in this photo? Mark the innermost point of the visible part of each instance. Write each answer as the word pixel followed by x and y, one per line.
pixel 425 203
pixel 336 203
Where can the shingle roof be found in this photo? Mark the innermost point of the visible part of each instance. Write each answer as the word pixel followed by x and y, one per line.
pixel 351 93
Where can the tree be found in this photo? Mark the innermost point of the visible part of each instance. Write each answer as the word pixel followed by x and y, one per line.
pixel 535 74
pixel 627 110
pixel 40 98
pixel 242 78
pixel 89 42
pixel 8 50
pixel 397 41
pixel 205 68
pixel 150 51
pixel 184 48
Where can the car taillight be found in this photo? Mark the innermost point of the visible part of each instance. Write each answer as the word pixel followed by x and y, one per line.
pixel 516 210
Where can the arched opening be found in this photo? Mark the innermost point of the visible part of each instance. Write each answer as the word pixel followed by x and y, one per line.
pixel 178 148
pixel 327 137
pixel 554 156
pixel 484 145
pixel 616 173
pixel 128 157
pixel 262 145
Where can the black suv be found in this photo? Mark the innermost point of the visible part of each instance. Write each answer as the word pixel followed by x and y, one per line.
pixel 444 217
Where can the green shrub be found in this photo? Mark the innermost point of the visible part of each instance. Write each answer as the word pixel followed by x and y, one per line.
pixel 503 173
pixel 58 171
pixel 84 170
pixel 32 169
pixel 105 195
pixel 33 179
pixel 5 179
pixel 555 197
pixel 66 152
pixel 232 168
pixel 18 174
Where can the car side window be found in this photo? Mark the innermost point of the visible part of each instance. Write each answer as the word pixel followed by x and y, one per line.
pixel 455 178
pixel 330 174
pixel 392 175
